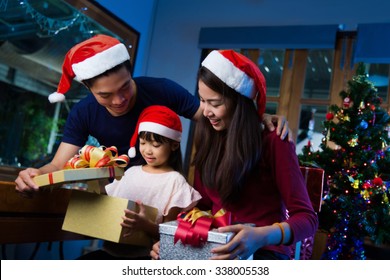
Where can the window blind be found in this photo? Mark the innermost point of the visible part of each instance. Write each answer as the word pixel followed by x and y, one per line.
pixel 372 43
pixel 272 37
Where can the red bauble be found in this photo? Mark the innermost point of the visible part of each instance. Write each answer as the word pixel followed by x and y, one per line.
pixel 377 181
pixel 329 116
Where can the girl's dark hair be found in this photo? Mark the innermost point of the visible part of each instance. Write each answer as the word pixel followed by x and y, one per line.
pixel 89 82
pixel 175 159
pixel 225 159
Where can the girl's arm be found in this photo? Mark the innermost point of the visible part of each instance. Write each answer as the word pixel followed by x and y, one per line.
pixel 172 214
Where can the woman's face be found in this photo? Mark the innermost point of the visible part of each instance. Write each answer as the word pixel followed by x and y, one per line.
pixel 116 92
pixel 214 107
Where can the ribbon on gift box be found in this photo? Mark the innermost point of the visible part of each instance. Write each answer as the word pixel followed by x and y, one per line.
pixel 193 227
pixel 91 156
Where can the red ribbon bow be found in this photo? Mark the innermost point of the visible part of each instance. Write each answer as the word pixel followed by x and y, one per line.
pixel 193 227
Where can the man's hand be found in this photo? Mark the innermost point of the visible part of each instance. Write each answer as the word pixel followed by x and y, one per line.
pixel 282 128
pixel 25 183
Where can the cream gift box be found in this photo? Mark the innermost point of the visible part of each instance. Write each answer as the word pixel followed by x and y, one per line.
pixel 92 214
pixel 99 216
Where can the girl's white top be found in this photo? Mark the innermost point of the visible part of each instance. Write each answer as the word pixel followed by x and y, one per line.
pixel 162 191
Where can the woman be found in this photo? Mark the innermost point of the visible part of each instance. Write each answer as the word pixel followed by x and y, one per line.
pixel 244 169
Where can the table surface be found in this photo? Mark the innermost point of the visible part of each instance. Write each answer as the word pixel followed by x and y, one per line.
pixel 35 219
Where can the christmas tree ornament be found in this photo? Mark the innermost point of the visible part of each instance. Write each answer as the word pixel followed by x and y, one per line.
pixel 363 124
pixel 354 141
pixel 355 184
pixel 377 181
pixel 347 102
pixel 329 116
pixel 365 194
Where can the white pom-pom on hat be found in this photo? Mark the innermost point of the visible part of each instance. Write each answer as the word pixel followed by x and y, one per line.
pixel 56 97
pixel 132 152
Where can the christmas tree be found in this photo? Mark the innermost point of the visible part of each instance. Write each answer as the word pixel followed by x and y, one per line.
pixel 355 155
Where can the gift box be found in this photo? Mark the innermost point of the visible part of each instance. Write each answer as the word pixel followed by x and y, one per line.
pixel 314 179
pixel 82 174
pixel 99 216
pixel 169 250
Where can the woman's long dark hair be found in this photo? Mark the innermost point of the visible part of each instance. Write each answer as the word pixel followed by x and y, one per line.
pixel 226 158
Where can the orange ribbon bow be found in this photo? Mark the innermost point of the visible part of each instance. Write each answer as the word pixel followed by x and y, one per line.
pixel 90 156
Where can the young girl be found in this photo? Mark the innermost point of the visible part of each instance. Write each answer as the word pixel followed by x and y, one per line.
pixel 244 169
pixel 157 182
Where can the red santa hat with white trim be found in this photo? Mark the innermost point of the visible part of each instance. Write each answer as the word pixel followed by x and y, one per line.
pixel 89 59
pixel 157 119
pixel 239 73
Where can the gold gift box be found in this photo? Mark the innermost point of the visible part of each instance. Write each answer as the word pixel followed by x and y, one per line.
pixel 100 216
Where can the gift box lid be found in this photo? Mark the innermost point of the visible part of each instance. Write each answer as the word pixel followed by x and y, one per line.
pixel 169 228
pixel 81 174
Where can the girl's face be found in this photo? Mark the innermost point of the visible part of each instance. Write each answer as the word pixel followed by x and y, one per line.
pixel 156 154
pixel 116 92
pixel 214 107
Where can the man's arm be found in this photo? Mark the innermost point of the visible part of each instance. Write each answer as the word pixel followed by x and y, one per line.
pixel 25 183
pixel 197 115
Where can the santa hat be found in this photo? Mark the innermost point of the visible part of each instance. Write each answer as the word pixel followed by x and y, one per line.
pixel 157 119
pixel 89 59
pixel 239 73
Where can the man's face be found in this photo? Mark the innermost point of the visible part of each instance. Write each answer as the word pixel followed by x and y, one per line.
pixel 116 92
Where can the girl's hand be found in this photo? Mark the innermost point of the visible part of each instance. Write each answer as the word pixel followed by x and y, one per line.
pixel 154 253
pixel 245 242
pixel 133 221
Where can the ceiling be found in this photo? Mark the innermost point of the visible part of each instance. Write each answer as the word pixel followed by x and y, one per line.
pixel 34 38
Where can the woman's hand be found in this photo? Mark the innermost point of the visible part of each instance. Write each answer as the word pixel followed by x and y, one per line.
pixel 245 242
pixel 155 252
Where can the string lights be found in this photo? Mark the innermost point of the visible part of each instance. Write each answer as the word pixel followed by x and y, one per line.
pixel 48 26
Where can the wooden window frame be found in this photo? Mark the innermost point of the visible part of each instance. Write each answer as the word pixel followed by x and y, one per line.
pixel 105 18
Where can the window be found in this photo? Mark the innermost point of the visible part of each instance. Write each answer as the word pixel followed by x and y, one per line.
pixel 378 74
pixel 34 38
pixel 318 74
